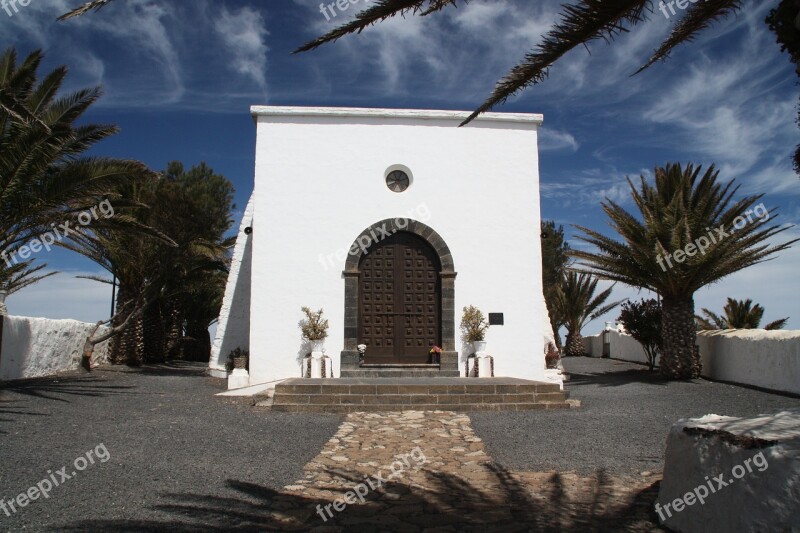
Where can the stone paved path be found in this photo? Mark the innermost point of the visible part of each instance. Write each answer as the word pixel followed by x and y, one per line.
pixel 427 471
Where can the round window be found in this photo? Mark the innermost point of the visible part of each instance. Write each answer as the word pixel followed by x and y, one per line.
pixel 397 181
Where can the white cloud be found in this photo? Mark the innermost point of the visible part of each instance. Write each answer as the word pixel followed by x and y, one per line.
pixel 728 108
pixel 550 140
pixel 589 187
pixel 244 33
pixel 455 54
pixel 148 53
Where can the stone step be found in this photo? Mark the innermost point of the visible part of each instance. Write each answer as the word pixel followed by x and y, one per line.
pixel 380 394
pixel 399 373
pixel 411 399
pixel 411 386
pixel 342 409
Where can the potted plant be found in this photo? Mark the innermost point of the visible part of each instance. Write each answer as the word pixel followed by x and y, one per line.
pixel 315 331
pixel 238 359
pixel 474 326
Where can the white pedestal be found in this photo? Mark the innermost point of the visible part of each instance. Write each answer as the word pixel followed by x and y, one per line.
pixel 484 366
pixel 238 379
pixel 316 365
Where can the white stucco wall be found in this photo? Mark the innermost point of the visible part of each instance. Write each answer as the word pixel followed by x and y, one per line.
pixel 768 359
pixel 233 327
pixel 756 357
pixel 320 182
pixel 622 347
pixel 36 347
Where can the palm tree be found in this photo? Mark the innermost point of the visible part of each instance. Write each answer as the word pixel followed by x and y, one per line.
pixel 739 314
pixel 690 233
pixel 45 180
pixel 555 261
pixel 171 285
pixel 577 304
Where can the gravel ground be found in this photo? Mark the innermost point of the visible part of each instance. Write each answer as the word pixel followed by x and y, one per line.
pixel 168 439
pixel 622 425
pixel 180 457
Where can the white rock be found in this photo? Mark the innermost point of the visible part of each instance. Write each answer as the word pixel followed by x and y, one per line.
pixel 761 486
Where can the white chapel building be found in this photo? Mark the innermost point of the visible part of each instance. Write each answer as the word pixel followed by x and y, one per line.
pixel 392 221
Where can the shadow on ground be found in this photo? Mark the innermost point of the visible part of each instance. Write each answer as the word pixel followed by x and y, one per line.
pixel 95 383
pixel 450 501
pixel 617 378
pixel 62 387
pixel 169 368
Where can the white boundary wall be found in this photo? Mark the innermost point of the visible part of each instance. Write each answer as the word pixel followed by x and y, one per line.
pixel 756 357
pixel 37 347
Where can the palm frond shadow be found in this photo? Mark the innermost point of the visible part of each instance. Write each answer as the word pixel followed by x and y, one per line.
pixel 5 411
pixel 61 388
pixel 449 500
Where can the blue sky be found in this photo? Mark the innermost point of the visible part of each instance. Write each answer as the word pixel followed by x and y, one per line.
pixel 179 79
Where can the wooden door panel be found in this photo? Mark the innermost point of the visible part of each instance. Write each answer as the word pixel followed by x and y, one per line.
pixel 399 300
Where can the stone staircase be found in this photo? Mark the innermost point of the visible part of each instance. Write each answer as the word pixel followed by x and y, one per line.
pixel 346 395
pixel 399 371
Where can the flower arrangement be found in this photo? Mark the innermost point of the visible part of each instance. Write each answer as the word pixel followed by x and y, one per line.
pixel 313 326
pixel 362 350
pixel 474 324
pixel 435 353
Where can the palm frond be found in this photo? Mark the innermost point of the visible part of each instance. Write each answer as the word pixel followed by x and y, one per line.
pixel 93 5
pixel 580 23
pixel 699 16
pixel 777 324
pixel 382 10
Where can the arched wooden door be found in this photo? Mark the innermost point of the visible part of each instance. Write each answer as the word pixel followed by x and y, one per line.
pixel 400 298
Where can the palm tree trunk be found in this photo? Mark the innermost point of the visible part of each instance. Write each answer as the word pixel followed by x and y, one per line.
pixel 679 357
pixel 153 338
pixel 173 328
pixel 121 348
pixel 135 334
pixel 201 342
pixel 556 335
pixel 574 345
